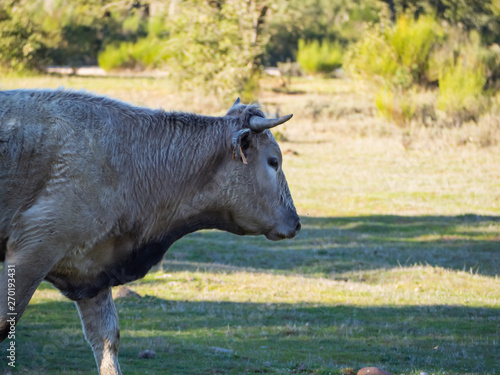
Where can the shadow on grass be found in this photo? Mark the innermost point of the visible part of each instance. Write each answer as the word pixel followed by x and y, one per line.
pixel 294 338
pixel 235 338
pixel 335 246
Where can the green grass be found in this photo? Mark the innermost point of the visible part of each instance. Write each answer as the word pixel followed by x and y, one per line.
pixel 396 266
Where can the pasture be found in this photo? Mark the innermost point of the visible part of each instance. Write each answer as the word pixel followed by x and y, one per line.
pixel 397 264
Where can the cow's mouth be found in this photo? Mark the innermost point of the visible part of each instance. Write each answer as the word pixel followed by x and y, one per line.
pixel 277 235
pixel 274 236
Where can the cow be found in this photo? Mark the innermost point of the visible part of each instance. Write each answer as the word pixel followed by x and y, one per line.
pixel 93 191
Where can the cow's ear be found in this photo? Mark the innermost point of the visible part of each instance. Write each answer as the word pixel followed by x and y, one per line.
pixel 233 106
pixel 240 143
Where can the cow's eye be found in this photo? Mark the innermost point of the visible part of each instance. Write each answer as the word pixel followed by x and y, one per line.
pixel 273 163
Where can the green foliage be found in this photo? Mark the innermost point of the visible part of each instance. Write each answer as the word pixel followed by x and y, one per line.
pixel 372 58
pixel 146 53
pixel 117 56
pixel 63 32
pixel 338 20
pixel 406 48
pixel 479 15
pixel 412 42
pixel 397 106
pixel 21 39
pixel 316 57
pixel 491 60
pixel 410 55
pixel 79 45
pixel 221 46
pixel 461 91
pixel 223 55
pixel 157 26
pixel 133 23
pixel 461 66
pixel 397 55
pixel 213 46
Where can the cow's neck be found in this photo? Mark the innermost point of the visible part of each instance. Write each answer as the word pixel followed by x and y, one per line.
pixel 178 186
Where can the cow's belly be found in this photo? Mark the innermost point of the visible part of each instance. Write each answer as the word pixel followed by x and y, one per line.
pixel 83 274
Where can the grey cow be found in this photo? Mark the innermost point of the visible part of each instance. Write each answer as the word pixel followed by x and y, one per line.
pixel 93 191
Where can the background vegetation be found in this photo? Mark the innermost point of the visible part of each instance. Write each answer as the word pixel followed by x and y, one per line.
pixel 397 264
pixel 411 51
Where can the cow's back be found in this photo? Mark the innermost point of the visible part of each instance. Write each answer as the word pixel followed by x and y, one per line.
pixel 63 140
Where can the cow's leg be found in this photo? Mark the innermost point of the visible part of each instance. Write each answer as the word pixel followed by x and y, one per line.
pixel 100 325
pixel 38 238
pixel 26 265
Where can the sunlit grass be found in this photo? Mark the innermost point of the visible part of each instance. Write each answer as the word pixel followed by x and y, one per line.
pixel 396 266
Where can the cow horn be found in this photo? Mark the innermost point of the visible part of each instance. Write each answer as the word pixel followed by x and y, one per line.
pixel 259 124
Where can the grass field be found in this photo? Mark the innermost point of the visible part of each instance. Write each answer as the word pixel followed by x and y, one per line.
pixel 397 264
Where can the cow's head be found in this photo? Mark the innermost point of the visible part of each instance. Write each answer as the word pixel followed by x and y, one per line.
pixel 258 200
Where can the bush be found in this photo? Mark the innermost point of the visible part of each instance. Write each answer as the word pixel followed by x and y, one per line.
pixel 461 93
pixel 372 59
pixel 413 42
pixel 218 47
pixel 397 55
pixel 115 56
pixel 315 57
pixel 462 66
pixel 146 53
pixel 397 106
pixel 293 20
pixel 411 56
pixel 22 41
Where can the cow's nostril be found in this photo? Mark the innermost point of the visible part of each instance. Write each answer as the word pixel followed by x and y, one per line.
pixel 297 228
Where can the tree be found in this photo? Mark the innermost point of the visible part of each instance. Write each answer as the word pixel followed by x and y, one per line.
pixel 22 43
pixel 317 20
pixel 479 15
pixel 34 33
pixel 218 45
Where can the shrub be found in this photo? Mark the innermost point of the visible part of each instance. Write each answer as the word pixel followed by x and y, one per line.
pixel 372 58
pixel 156 26
pixel 146 53
pixel 115 56
pixel 462 66
pixel 410 56
pixel 315 57
pixel 397 106
pixel 218 47
pixel 397 55
pixel 22 41
pixel 396 59
pixel 492 63
pixel 413 42
pixel 461 91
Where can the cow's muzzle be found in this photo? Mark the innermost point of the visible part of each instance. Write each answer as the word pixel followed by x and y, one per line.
pixel 284 230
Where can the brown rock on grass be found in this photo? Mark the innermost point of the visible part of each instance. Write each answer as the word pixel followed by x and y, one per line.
pixel 124 292
pixel 373 371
